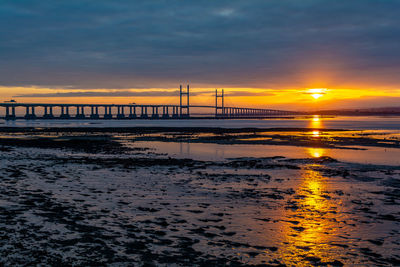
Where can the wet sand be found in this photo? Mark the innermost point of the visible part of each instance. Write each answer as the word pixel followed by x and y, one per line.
pixel 73 198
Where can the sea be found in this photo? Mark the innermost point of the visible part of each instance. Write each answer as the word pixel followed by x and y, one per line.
pixel 382 126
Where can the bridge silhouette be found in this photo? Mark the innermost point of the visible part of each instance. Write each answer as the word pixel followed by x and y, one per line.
pixel 137 111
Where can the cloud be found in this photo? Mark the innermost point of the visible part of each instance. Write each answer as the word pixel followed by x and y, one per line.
pixel 123 44
pixel 142 93
pixel 248 93
pixel 364 103
pixel 124 93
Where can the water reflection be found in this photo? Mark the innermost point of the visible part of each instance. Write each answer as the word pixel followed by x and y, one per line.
pixel 311 221
pixel 316 122
pixel 316 152
pixel 315 133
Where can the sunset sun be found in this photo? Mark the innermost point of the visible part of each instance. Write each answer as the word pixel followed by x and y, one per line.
pixel 316 93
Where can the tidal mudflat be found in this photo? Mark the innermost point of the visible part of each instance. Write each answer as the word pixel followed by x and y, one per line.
pixel 87 197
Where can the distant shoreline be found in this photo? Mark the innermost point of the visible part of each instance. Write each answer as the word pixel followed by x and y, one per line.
pixel 138 130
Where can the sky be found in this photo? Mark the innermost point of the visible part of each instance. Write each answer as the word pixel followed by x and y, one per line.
pixel 264 53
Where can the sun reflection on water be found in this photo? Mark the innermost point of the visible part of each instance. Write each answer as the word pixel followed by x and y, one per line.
pixel 316 152
pixel 315 133
pixel 311 220
pixel 316 122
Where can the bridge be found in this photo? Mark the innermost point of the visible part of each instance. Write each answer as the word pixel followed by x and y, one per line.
pixel 135 111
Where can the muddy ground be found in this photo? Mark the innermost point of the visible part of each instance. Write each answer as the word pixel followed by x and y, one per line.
pixel 71 198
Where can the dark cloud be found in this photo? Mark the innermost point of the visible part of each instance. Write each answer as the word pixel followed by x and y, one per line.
pixel 143 93
pixel 123 93
pixel 248 93
pixel 141 44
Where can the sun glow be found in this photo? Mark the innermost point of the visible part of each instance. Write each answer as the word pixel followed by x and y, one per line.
pixel 316 93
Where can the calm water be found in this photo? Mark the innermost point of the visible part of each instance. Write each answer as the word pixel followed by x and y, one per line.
pixel 199 151
pixel 388 126
pixel 356 123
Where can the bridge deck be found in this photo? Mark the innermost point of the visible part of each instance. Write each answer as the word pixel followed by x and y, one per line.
pixel 133 111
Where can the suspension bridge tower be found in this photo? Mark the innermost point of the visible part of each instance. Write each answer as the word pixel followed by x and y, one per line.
pixel 221 107
pixel 184 108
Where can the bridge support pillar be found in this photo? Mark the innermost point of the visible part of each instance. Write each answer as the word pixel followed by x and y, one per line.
pixel 27 115
pixel 80 112
pixel 143 113
pixel 12 115
pixel 165 112
pixel 48 112
pixel 154 114
pixel 64 112
pixel 120 114
pixel 132 112
pixel 175 114
pixel 95 113
pixel 30 115
pixel 107 113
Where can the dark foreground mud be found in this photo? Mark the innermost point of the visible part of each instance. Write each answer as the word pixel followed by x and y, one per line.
pixel 304 137
pixel 74 200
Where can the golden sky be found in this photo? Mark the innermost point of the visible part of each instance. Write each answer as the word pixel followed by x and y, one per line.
pixel 291 99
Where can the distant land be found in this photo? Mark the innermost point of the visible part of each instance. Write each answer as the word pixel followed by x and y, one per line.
pixel 388 111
